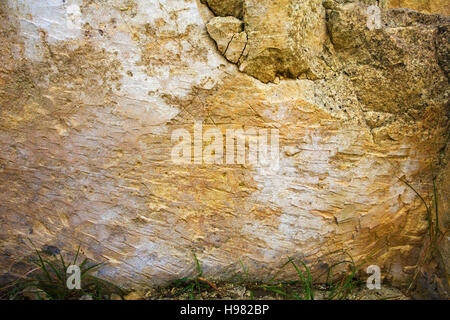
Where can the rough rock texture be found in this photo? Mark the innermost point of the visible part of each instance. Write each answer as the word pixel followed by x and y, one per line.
pixel 433 275
pixel 402 60
pixel 88 107
pixel 284 38
pixel 443 186
pixel 236 47
pixel 228 34
pixel 225 8
pixel 425 6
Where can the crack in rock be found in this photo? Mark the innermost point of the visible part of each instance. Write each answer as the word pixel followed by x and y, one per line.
pixel 279 39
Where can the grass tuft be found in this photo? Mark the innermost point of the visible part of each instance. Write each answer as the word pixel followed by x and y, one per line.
pixel 48 281
pixel 193 286
pixel 435 235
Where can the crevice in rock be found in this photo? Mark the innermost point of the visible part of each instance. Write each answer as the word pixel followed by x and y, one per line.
pixel 245 47
pixel 291 49
pixel 224 8
pixel 442 48
pixel 228 45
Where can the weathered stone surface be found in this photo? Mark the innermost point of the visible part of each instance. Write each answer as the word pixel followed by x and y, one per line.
pixel 443 187
pixel 236 47
pixel 285 38
pixel 434 278
pixel 226 7
pixel 443 48
pixel 229 36
pixel 395 59
pixel 295 47
pixel 425 6
pixel 88 108
pixel 432 275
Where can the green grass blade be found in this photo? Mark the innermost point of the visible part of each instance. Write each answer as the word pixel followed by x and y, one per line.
pixel 329 280
pixel 296 296
pixel 276 274
pixel 57 273
pixel 430 226
pixel 63 263
pixel 199 267
pixel 304 279
pixel 310 285
pixel 91 268
pixel 244 269
pixel 274 289
pixel 85 261
pixel 435 196
pixel 42 264
pixel 76 255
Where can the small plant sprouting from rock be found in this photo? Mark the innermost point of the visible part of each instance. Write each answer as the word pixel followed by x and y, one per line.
pixel 306 280
pixel 48 281
pixel 335 290
pixel 192 286
pixel 431 248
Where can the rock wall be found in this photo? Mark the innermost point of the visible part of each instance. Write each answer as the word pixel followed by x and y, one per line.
pixel 443 187
pixel 425 6
pixel 91 91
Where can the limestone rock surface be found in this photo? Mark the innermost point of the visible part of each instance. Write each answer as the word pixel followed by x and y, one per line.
pixel 91 92
pixel 425 6
pixel 229 36
pixel 225 8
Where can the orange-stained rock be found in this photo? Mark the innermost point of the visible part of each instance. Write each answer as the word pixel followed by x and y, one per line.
pixel 90 96
pixel 425 6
